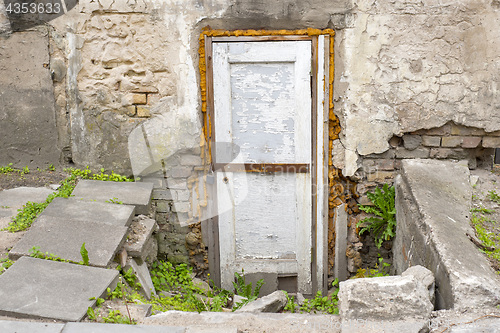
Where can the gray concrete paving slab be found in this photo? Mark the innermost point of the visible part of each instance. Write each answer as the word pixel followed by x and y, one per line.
pixel 249 322
pixel 118 328
pixel 15 198
pixel 75 210
pixel 129 193
pixel 37 288
pixel 7 326
pixel 387 326
pixel 57 236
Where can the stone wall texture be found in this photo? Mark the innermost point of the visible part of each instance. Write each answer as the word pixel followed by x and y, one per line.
pixel 115 85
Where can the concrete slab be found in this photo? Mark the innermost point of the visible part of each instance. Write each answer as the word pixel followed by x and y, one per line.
pixel 37 288
pixel 140 234
pixel 250 322
pixel 433 200
pixel 15 198
pixel 118 328
pixel 136 193
pixel 29 327
pixel 75 210
pixel 57 236
pixel 202 329
pixel 144 278
pixel 406 326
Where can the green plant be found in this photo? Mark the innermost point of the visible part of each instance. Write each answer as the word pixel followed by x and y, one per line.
pixel 383 224
pixel 243 289
pixel 131 278
pixel 482 209
pixel 381 269
pixel 5 263
pixel 7 169
pixel 85 255
pixel 115 317
pixel 320 303
pixel 493 195
pixel 51 167
pixel 290 306
pixel 117 292
pixel 25 170
pixel 115 201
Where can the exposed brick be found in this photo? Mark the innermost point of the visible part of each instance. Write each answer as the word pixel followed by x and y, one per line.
pixel 471 141
pixel 451 141
pixel 160 194
pixel 411 142
pixel 442 153
pixel 139 99
pixel 416 153
pixel 153 99
pixel 384 164
pixel 497 133
pixel 143 112
pixel 380 176
pixel 491 142
pixel 130 110
pixel 179 172
pixel 388 154
pixel 462 130
pixel 431 141
pixel 162 206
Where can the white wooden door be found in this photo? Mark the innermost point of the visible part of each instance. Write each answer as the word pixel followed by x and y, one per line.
pixel 262 104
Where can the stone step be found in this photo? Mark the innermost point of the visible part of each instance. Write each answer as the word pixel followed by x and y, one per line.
pixel 78 210
pixel 137 194
pixel 44 289
pixel 8 326
pixel 139 238
pixel 64 239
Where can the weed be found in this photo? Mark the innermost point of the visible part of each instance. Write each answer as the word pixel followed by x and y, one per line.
pixel 115 201
pixel 85 255
pixel 488 239
pixel 51 167
pixel 115 317
pixel 482 209
pixel 243 289
pixel 381 269
pixel 4 207
pixel 25 170
pixel 383 227
pixel 493 195
pixel 320 303
pixel 7 169
pixel 5 263
pixel 117 293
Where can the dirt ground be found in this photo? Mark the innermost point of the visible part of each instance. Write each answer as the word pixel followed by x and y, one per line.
pixel 485 212
pixel 35 178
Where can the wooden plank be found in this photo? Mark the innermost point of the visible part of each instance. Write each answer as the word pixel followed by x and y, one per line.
pixel 259 38
pixel 263 168
pixel 210 96
pixel 314 159
pixel 323 151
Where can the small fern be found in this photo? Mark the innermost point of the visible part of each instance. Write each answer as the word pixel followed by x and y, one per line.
pixel 383 224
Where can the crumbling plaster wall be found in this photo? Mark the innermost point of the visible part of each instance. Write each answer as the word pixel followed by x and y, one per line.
pixel 412 64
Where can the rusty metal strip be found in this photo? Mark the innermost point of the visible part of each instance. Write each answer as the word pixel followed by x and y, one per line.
pixel 263 168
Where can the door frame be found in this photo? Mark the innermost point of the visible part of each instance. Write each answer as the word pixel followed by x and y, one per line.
pixel 321 90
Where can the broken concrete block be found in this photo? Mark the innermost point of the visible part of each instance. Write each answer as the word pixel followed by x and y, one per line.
pixel 424 276
pixel 7 326
pixel 119 328
pixel 37 288
pixel 384 298
pixel 143 277
pixel 274 302
pixel 79 210
pixel 137 240
pixel 137 194
pixel 56 236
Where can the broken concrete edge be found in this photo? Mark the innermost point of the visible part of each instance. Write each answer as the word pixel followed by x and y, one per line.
pixel 432 206
pixel 388 298
pixel 137 249
pixel 273 303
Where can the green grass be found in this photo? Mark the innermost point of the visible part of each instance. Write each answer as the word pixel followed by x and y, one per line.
pixel 488 238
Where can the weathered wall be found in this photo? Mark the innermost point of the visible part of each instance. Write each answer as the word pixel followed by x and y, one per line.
pixel 403 68
pixel 408 65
